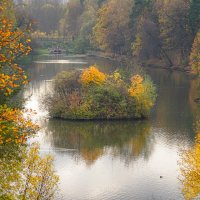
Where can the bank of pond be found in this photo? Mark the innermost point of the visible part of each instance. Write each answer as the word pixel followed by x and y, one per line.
pixel 91 94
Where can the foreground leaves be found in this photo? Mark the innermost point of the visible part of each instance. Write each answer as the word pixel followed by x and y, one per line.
pixel 14 126
pixel 190 171
pixel 25 175
pixel 13 44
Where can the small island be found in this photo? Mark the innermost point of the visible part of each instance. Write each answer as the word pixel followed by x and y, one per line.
pixel 93 95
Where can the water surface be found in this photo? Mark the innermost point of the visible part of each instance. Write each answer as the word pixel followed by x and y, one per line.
pixel 118 159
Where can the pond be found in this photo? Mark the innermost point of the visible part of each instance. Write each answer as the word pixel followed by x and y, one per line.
pixel 115 159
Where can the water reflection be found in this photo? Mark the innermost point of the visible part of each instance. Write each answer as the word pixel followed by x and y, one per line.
pixel 125 140
pixel 45 68
pixel 172 112
pixel 194 97
pixel 118 159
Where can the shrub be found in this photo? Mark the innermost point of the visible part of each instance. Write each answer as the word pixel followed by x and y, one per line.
pixel 107 102
pixel 91 94
pixel 143 93
pixel 92 76
pixel 67 82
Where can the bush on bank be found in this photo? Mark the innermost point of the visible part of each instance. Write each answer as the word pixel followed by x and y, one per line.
pixel 92 94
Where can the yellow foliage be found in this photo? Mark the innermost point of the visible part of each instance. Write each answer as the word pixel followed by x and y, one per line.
pixel 137 79
pixel 116 76
pixel 143 93
pixel 24 175
pixel 137 86
pixel 190 171
pixel 14 128
pixel 12 46
pixel 92 76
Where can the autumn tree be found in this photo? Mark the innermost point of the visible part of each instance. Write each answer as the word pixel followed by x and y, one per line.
pixel 148 30
pixel 70 23
pixel 190 170
pixel 13 44
pixel 92 76
pixel 161 30
pixel 146 42
pixel 25 175
pixel 142 91
pixel 111 32
pixel 14 128
pixel 174 33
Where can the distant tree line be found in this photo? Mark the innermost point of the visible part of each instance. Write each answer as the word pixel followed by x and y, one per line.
pixel 147 30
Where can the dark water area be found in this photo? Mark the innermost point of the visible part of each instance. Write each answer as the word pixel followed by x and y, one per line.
pixel 115 159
